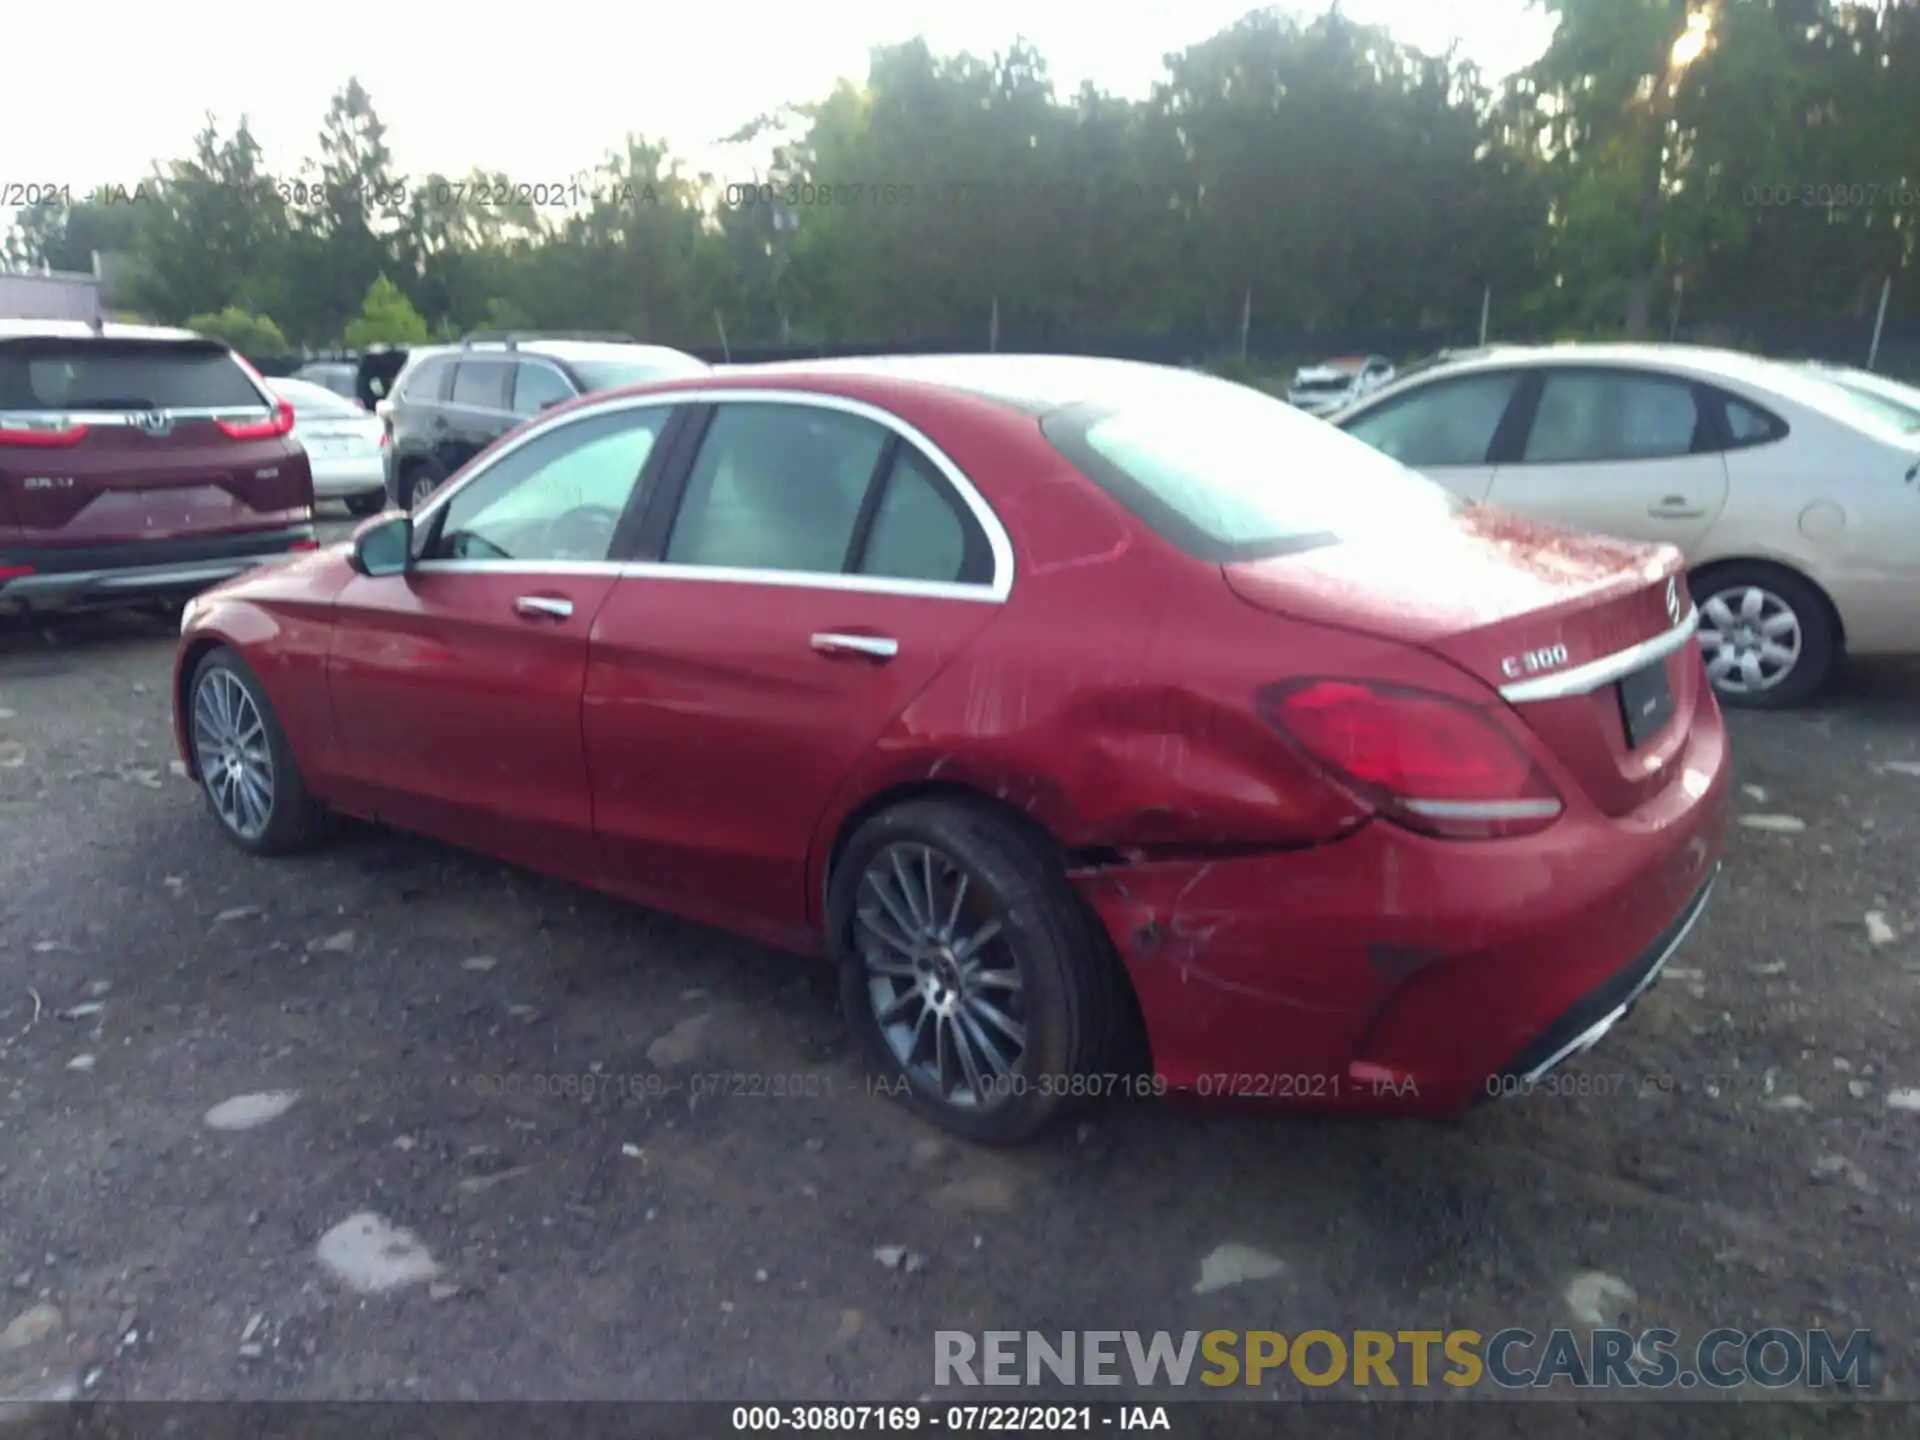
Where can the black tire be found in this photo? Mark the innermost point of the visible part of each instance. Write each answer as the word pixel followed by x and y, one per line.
pixel 418 482
pixel 293 819
pixel 1817 634
pixel 1071 1004
pixel 369 503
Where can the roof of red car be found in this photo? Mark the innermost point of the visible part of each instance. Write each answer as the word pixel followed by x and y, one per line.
pixel 1034 384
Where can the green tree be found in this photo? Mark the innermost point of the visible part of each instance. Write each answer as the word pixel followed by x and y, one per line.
pixel 209 228
pixel 386 317
pixel 251 335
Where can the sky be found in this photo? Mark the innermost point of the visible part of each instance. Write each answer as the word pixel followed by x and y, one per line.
pixel 540 94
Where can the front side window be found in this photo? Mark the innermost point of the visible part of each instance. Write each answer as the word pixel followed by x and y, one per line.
pixel 1596 415
pixel 776 487
pixel 558 497
pixel 1451 422
pixel 535 387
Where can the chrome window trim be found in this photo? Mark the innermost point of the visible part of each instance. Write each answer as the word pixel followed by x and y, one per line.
pixel 998 541
pixel 519 567
pixel 1584 679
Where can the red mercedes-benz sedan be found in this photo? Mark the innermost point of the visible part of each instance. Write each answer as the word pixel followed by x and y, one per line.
pixel 1046 696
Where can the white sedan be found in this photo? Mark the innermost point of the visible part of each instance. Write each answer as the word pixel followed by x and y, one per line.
pixel 1795 499
pixel 345 445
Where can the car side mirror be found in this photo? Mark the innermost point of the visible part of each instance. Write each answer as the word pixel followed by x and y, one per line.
pixel 383 546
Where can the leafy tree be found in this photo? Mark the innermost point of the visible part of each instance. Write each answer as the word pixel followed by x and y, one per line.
pixel 386 317
pixel 251 335
pixel 1752 162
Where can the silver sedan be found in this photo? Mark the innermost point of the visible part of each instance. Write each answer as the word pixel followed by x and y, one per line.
pixel 345 444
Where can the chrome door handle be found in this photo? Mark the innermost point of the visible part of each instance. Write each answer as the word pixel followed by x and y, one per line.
pixel 543 607
pixel 868 647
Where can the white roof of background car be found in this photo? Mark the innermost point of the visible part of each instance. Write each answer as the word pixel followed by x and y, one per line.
pixel 1701 362
pixel 80 330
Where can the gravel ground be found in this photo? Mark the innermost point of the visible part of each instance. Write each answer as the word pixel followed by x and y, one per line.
pixel 1739 1155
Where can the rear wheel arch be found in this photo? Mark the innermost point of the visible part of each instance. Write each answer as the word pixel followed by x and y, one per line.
pixel 913 790
pixel 1102 1015
pixel 196 651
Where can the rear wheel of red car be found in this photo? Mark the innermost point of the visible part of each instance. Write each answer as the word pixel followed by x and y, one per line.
pixel 247 770
pixel 971 975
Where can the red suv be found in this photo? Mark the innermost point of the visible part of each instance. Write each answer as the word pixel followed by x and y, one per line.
pixel 138 464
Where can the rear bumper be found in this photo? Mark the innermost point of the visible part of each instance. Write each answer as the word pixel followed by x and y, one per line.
pixel 141 569
pixel 1606 1005
pixel 337 479
pixel 1389 972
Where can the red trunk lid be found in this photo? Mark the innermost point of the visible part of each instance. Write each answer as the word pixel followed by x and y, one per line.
pixel 1515 603
pixel 152 461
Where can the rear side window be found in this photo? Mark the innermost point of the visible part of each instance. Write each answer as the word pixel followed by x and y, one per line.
pixel 122 375
pixel 1748 425
pixel 1228 473
pixel 1595 416
pixel 776 487
pixel 921 531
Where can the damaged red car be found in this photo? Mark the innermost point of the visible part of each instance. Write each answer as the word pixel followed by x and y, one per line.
pixel 1070 706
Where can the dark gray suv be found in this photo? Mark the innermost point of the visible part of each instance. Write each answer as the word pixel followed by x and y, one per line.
pixel 453 403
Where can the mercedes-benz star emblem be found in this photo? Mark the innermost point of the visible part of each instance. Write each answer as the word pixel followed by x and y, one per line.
pixel 1673 599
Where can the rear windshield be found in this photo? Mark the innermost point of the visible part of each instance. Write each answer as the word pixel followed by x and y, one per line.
pixel 315 402
pixel 1901 415
pixel 122 375
pixel 1228 473
pixel 612 374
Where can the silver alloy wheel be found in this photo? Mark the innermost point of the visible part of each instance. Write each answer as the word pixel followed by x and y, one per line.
pixel 230 747
pixel 945 989
pixel 423 486
pixel 1751 638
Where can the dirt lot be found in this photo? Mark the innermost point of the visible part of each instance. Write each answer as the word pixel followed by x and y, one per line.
pixel 1740 1157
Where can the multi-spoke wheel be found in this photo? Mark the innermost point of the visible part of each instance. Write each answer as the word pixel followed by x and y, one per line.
pixel 970 972
pixel 944 988
pixel 1768 636
pixel 246 769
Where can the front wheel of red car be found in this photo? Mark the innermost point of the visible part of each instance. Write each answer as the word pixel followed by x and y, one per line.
pixel 971 976
pixel 246 767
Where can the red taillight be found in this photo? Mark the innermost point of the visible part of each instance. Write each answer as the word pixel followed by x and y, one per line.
pixel 15 572
pixel 304 545
pixel 279 423
pixel 1433 764
pixel 56 438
